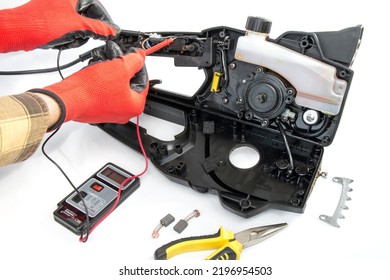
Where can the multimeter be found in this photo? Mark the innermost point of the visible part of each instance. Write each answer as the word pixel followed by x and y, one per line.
pixel 99 193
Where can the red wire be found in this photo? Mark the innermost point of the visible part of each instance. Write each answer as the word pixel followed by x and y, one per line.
pixel 84 238
pixel 159 46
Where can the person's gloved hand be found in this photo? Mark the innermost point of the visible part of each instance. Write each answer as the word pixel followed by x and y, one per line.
pixel 54 24
pixel 112 91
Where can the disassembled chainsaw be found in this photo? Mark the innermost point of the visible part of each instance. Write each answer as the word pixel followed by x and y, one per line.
pixel 282 97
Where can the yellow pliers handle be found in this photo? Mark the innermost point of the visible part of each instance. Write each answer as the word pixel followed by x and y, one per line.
pixel 230 251
pixel 228 247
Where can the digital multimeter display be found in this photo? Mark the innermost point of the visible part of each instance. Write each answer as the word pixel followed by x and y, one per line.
pixel 97 194
pixel 113 175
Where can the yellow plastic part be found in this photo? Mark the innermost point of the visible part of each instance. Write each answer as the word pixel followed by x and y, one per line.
pixel 201 243
pixel 216 82
pixel 230 251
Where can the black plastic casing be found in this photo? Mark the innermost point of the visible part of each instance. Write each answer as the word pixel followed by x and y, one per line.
pixel 219 118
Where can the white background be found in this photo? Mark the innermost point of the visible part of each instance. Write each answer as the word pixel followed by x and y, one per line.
pixel 33 245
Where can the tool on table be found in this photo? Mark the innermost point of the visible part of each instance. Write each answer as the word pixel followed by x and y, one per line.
pixel 332 220
pixel 183 223
pixel 164 222
pixel 95 197
pixel 229 245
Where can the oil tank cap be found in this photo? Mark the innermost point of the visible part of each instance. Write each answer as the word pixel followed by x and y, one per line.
pixel 258 24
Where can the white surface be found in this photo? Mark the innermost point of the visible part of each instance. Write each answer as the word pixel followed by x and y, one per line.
pixel 34 246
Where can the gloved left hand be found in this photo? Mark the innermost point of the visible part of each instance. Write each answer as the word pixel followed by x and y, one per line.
pixel 111 91
pixel 54 24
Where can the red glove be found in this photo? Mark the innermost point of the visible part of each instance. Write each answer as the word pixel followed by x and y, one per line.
pixel 112 91
pixel 54 24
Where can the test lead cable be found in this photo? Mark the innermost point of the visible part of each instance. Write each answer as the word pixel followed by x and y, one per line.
pixel 159 46
pixel 82 238
pixel 87 231
pixel 148 51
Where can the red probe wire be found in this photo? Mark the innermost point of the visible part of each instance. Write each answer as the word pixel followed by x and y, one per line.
pixel 83 238
pixel 159 46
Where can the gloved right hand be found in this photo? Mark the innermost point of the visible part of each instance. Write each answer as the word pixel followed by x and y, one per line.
pixel 54 24
pixel 111 91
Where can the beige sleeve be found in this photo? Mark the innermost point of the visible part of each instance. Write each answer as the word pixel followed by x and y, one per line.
pixel 23 123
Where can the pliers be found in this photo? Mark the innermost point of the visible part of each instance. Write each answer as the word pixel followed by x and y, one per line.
pixel 229 245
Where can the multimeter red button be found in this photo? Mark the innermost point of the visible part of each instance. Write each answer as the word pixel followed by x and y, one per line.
pixel 97 187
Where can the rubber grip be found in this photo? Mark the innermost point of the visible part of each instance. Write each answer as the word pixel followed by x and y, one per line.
pixel 230 251
pixel 195 243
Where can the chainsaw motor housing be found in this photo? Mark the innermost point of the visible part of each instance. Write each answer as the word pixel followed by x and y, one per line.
pixel 283 98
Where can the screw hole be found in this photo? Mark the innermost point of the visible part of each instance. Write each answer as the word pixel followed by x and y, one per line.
pixel 295 201
pixel 153 145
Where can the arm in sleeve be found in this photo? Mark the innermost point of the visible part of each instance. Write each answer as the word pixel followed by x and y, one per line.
pixel 24 120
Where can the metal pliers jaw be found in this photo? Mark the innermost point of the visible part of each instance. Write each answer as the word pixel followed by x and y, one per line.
pixel 255 235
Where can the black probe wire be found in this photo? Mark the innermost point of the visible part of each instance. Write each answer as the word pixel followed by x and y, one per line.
pixel 41 71
pixel 58 63
pixel 86 230
pixel 283 133
pixel 83 57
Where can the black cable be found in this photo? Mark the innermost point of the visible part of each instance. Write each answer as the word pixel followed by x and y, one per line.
pixel 83 57
pixel 86 230
pixel 58 63
pixel 283 133
pixel 41 71
pixel 87 226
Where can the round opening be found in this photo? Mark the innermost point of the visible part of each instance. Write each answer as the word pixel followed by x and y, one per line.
pixel 244 157
pixel 304 43
pixel 153 145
